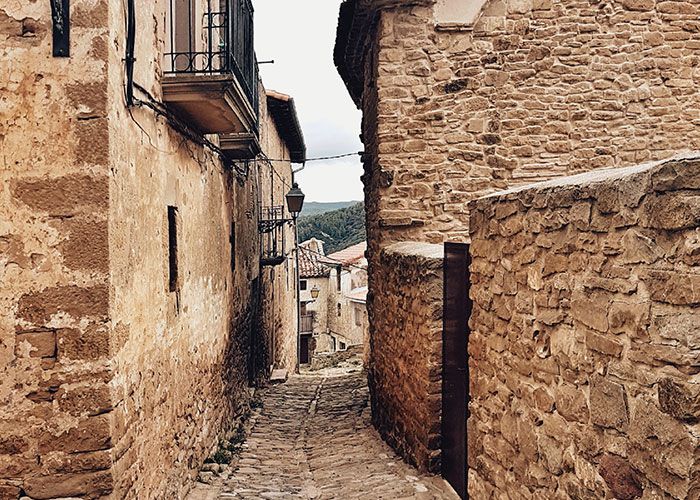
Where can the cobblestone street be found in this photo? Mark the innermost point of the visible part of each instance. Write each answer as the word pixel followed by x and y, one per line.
pixel 313 438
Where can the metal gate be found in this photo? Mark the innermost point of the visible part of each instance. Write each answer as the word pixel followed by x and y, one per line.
pixel 455 368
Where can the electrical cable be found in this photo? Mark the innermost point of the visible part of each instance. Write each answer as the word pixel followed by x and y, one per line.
pixel 323 158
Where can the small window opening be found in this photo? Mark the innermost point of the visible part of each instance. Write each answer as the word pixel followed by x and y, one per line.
pixel 339 309
pixel 172 250
pixel 232 241
pixel 339 271
pixel 343 346
pixel 303 284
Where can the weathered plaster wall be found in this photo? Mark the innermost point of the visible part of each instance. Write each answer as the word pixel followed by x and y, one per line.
pixel 279 307
pixel 343 325
pixel 405 360
pixel 111 384
pixel 55 401
pixel 182 360
pixel 585 337
pixel 530 91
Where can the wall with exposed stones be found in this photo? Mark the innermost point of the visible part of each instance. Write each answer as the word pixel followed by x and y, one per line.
pixel 279 300
pixel 528 91
pixel 405 360
pixel 585 336
pixel 55 398
pixel 110 384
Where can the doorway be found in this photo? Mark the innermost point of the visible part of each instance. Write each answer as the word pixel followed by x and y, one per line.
pixel 455 367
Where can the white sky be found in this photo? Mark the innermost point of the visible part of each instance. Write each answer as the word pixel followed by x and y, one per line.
pixel 299 35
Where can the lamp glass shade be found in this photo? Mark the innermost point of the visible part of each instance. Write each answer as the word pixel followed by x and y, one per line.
pixel 315 291
pixel 295 199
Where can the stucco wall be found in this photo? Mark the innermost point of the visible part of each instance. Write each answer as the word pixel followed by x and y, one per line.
pixel 404 369
pixel 585 336
pixel 55 401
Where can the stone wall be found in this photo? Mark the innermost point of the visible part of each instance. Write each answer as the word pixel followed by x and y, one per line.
pixel 529 91
pixel 405 359
pixel 55 397
pixel 585 336
pixel 279 301
pixel 110 384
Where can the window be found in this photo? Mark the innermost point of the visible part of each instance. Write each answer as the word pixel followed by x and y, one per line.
pixel 339 271
pixel 172 250
pixel 343 346
pixel 303 285
pixel 339 309
pixel 232 241
pixel 358 316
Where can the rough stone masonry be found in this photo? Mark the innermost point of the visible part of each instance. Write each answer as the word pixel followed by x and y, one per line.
pixel 585 336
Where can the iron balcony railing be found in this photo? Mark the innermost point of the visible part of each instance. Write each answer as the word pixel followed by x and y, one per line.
pixel 213 37
pixel 272 240
pixel 307 323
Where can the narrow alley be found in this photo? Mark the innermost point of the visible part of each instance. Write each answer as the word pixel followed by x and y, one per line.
pixel 312 438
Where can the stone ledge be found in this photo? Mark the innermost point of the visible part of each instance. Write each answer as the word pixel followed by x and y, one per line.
pixel 595 178
pixel 417 249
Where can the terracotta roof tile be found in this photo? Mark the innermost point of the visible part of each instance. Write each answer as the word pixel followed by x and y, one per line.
pixel 348 255
pixel 310 260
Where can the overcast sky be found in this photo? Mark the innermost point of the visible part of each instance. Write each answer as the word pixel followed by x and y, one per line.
pixel 299 35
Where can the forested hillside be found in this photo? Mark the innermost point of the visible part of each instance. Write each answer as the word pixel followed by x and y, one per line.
pixel 316 208
pixel 338 229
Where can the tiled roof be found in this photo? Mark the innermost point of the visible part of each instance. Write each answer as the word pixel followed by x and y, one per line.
pixel 310 260
pixel 348 255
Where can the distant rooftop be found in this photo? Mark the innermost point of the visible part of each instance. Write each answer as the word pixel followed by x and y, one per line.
pixel 310 255
pixel 348 255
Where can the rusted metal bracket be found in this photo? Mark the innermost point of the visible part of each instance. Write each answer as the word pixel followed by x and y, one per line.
pixel 60 15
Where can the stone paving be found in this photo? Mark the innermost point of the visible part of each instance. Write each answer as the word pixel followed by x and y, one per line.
pixel 312 439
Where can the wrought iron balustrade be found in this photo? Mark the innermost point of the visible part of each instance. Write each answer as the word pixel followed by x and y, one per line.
pixel 272 240
pixel 211 37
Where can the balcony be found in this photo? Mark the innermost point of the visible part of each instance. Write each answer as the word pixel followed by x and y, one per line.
pixel 210 71
pixel 272 240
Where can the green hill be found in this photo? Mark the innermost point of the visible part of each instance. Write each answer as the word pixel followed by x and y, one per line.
pixel 315 207
pixel 338 229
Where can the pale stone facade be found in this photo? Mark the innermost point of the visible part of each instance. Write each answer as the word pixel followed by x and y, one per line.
pixel 115 383
pixel 347 297
pixel 585 336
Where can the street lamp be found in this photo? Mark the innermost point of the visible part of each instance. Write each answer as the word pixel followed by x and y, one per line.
pixel 295 200
pixel 315 291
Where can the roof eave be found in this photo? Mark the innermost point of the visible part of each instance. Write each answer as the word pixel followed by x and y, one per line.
pixel 284 114
pixel 354 21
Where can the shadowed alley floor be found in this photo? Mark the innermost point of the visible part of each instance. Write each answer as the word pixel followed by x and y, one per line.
pixel 313 438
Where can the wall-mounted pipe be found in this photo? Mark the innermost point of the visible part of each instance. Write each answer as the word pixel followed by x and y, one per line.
pixel 129 56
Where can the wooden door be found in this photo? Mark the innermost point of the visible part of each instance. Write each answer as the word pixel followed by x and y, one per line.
pixel 455 374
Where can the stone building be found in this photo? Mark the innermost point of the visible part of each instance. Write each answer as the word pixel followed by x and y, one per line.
pixel 332 298
pixel 347 296
pixel 313 299
pixel 463 99
pixel 130 255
